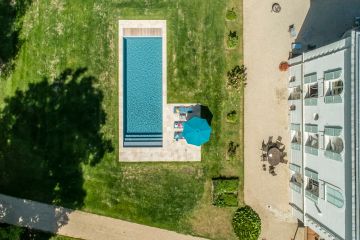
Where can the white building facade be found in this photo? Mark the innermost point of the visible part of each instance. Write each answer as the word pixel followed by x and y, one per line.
pixel 324 116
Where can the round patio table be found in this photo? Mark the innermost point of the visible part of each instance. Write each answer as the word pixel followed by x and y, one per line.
pixel 274 156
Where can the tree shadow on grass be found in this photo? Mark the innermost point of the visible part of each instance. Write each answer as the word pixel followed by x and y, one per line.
pixel 11 13
pixel 46 133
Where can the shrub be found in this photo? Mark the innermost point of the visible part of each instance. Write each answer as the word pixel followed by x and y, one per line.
pixel 231 116
pixel 232 39
pixel 237 77
pixel 230 14
pixel 246 223
pixel 225 191
pixel 232 148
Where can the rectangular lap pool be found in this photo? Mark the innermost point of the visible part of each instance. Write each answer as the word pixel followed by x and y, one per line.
pixel 142 89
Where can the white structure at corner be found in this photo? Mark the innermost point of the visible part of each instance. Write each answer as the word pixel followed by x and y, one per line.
pixel 324 112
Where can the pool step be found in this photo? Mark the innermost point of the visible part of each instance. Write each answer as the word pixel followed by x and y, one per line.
pixel 143 144
pixel 138 140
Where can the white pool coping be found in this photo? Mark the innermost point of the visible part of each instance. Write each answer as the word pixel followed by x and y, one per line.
pixel 171 150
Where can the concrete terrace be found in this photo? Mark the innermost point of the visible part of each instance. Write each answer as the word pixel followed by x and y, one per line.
pixel 171 150
pixel 267 42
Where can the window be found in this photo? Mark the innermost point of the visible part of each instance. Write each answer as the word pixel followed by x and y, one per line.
pixel 311 174
pixel 294 167
pixel 312 187
pixel 310 78
pixel 295 139
pixel 333 86
pixel 334 196
pixel 312 128
pixel 334 143
pixel 332 130
pixel 294 93
pixel 332 74
pixel 295 126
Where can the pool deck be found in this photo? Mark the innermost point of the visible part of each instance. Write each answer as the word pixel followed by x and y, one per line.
pixel 171 150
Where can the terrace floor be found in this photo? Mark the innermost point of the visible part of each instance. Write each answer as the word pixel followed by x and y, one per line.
pixel 171 150
pixel 266 43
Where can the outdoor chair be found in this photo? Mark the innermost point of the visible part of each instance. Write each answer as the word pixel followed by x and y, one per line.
pixel 284 161
pixel 178 135
pixel 283 154
pixel 183 109
pixel 178 124
pixel 279 138
pixel 292 30
pixel 296 46
pixel 263 146
pixel 270 140
pixel 263 157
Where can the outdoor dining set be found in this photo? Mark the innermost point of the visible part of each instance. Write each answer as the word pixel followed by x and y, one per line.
pixel 273 152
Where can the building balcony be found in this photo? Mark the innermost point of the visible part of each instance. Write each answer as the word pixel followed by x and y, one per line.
pixel 312 195
pixel 311 150
pixel 310 101
pixel 333 99
pixel 295 146
pixel 333 155
pixel 295 186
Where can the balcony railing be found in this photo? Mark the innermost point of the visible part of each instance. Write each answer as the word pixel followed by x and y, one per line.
pixel 311 150
pixel 295 146
pixel 310 101
pixel 333 99
pixel 295 186
pixel 311 195
pixel 333 155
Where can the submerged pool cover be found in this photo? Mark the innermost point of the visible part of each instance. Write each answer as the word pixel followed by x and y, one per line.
pixel 142 82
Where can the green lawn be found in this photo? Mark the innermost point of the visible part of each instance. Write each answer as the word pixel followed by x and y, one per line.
pixel 53 137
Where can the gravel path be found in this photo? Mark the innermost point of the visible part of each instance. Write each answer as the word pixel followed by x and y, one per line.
pixel 78 224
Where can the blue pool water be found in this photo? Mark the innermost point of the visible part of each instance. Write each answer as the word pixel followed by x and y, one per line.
pixel 142 86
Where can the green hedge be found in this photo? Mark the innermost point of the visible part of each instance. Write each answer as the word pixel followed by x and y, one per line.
pixel 246 223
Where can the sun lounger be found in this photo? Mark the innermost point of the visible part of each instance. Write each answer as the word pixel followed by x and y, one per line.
pixel 178 135
pixel 179 124
pixel 292 30
pixel 296 46
pixel 182 109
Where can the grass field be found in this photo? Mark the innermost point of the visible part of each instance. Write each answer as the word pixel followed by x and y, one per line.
pixel 63 34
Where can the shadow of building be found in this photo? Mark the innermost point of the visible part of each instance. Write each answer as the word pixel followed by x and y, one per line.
pixel 327 21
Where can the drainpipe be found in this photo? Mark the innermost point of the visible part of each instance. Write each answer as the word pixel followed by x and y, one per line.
pixel 302 133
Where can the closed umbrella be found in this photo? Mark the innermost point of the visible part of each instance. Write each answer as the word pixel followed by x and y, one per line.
pixel 196 131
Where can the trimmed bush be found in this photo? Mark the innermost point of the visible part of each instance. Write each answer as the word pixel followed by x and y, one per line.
pixel 237 77
pixel 246 223
pixel 225 192
pixel 232 148
pixel 230 14
pixel 232 39
pixel 231 116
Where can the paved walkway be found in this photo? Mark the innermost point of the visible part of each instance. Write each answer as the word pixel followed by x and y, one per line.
pixel 78 224
pixel 266 43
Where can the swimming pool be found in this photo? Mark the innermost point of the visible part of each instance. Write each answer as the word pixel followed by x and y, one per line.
pixel 142 91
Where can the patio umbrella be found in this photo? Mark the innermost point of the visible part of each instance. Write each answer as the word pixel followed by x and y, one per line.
pixel 196 131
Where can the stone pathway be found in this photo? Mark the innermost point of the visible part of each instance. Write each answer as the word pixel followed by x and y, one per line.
pixel 78 224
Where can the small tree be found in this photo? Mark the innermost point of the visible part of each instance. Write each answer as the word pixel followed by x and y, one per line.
pixel 230 15
pixel 231 116
pixel 246 223
pixel 232 148
pixel 237 77
pixel 232 39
